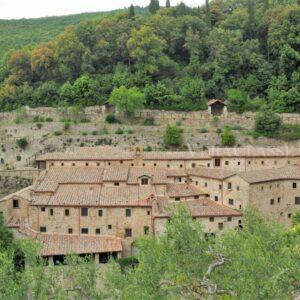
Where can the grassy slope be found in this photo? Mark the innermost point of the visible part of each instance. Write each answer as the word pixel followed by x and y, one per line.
pixel 15 34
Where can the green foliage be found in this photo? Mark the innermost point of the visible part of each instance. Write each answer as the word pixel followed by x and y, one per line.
pixel 6 235
pixel 267 122
pixel 19 158
pixel 237 100
pixel 173 136
pixel 149 122
pixel 296 218
pixel 153 6
pixel 228 138
pixel 112 119
pixel 127 100
pixel 289 132
pixel 119 131
pixel 22 143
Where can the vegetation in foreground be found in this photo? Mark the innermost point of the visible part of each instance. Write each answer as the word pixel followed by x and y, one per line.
pixel 177 57
pixel 260 261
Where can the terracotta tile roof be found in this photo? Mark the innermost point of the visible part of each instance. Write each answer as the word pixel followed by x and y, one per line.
pixel 158 175
pixel 13 222
pixel 214 173
pixel 198 208
pixel 254 152
pixel 116 173
pixel 284 173
pixel 187 155
pixel 51 178
pixel 177 172
pixel 213 101
pixel 24 194
pixel 95 195
pixel 63 244
pixel 182 190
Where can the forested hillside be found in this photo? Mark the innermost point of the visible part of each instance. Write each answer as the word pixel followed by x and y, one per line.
pixel 246 51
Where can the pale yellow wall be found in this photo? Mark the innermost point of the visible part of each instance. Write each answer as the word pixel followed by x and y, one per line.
pixel 6 207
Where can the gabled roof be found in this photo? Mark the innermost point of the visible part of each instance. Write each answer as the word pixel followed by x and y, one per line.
pixel 24 194
pixel 157 174
pixel 198 208
pixel 182 190
pixel 213 173
pixel 213 101
pixel 284 173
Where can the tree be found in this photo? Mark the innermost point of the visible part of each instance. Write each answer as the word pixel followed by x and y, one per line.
pixel 22 143
pixel 207 13
pixel 237 100
pixel 173 136
pixel 6 235
pixel 153 6
pixel 168 4
pixel 267 122
pixel 228 138
pixel 127 100
pixel 131 11
pixel 250 23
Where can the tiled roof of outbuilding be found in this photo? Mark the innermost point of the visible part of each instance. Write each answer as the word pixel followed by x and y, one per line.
pixel 214 173
pixel 182 190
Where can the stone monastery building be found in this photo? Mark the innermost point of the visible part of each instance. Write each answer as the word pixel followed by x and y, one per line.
pixel 99 200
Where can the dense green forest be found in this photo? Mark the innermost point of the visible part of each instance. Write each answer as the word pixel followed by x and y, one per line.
pixel 178 57
pixel 16 34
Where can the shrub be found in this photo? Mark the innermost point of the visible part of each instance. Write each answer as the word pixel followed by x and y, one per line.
pixel 267 122
pixel 81 144
pixel 148 149
pixel 203 130
pixel 289 132
pixel 130 131
pixel 21 115
pixel 216 121
pixel 66 126
pixel 22 143
pixel 111 119
pixel 19 157
pixel 39 125
pixel 149 122
pixel 228 138
pixel 57 133
pixel 218 130
pixel 126 262
pixel 84 133
pixel 173 136
pixel 119 131
pixel 36 119
pixel 48 119
pixel 104 130
pixel 94 132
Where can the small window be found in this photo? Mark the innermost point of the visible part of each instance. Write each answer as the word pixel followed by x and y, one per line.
pixel 132 165
pixel 109 226
pixel 196 197
pixel 43 209
pixel 128 232
pixel 146 229
pixel 217 162
pixel 177 198
pixel 98 164
pixel 275 162
pixel 100 213
pixel 237 187
pixel 109 163
pixel 16 203
pixel 294 185
pixel 148 212
pixel 84 230
pixel 220 186
pixel 181 166
pixel 52 164
pixel 208 165
pixel 116 183
pixel 231 201
pixel 220 226
pixel 70 231
pixel 87 164
pixel 121 161
pixel 262 188
pixel 239 163
pixel 289 216
pixel 262 162
pixel 62 164
pixel 229 219
pixel 229 185
pixel 205 184
pixel 67 212
pixel 278 200
pixel 216 198
pixel 51 212
pixel 84 211
pixel 211 219
pixel 297 200
pixel 128 212
pixel 145 181
pixel 144 164
pixel 193 165
pixel 226 162
pixel 43 229
pixel 73 164
pixel 272 201
pixel 154 164
pixel 249 162
pixel 168 166
pixel 97 231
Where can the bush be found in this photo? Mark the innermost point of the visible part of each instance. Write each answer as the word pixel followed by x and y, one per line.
pixel 112 119
pixel 173 136
pixel 126 262
pixel 39 125
pixel 218 130
pixel 130 131
pixel 57 133
pixel 49 119
pixel 66 126
pixel 228 139
pixel 149 122
pixel 267 122
pixel 22 143
pixel 119 131
pixel 203 130
pixel 36 119
pixel 148 149
pixel 19 157
pixel 94 132
pixel 289 133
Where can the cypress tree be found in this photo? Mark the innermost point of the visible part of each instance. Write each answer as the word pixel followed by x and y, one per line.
pixel 131 11
pixel 207 13
pixel 249 30
pixel 153 6
pixel 168 4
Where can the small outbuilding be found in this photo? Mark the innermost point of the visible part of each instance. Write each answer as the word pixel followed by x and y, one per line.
pixel 217 107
